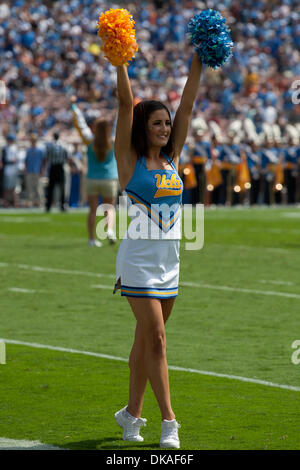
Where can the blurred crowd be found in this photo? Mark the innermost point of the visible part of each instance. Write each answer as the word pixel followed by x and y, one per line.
pixel 215 171
pixel 245 133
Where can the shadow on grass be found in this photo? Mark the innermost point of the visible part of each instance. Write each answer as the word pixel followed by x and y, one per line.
pixel 108 443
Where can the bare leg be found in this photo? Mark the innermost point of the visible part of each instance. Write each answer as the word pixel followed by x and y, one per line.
pixel 91 221
pixel 167 305
pixel 138 374
pixel 151 333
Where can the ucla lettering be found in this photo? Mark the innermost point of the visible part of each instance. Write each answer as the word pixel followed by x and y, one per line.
pixel 168 187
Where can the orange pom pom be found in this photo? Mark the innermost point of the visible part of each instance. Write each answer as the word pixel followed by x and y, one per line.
pixel 115 28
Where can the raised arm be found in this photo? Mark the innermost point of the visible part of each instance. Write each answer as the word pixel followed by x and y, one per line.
pixel 81 124
pixel 184 111
pixel 125 156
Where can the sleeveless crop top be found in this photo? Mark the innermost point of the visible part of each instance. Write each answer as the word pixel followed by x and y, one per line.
pixel 156 198
pixel 101 170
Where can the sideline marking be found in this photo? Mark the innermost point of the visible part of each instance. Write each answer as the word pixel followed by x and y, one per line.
pixel 241 289
pixel 22 291
pixel 63 271
pixel 101 286
pixel 283 283
pixel 17 444
pixel 250 247
pixel 181 369
pixel 21 220
pixel 184 284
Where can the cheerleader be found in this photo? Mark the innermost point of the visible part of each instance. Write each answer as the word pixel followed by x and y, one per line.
pixel 147 149
pixel 102 176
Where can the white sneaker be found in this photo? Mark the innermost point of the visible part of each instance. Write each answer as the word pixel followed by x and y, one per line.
pixel 169 434
pixel 95 243
pixel 111 236
pixel 130 425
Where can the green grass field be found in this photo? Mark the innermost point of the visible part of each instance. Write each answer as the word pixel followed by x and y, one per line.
pixel 237 314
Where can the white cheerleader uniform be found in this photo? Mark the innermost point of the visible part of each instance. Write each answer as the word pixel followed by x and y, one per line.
pixel 147 262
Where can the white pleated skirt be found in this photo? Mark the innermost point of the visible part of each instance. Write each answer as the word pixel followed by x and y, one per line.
pixel 148 268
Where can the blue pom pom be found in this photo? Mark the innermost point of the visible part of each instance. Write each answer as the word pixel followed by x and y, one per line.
pixel 210 35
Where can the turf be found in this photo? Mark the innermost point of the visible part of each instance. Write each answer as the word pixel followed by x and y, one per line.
pixel 69 400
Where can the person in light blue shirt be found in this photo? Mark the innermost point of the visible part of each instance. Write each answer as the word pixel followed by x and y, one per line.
pixel 33 171
pixel 102 172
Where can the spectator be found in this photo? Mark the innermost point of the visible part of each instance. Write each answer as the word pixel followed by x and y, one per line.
pixel 33 171
pixel 10 171
pixel 55 53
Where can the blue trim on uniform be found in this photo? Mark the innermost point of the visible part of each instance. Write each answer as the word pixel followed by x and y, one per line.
pixel 150 288
pixel 148 296
pixel 152 292
pixel 149 212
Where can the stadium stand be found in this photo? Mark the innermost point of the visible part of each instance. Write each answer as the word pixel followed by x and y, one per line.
pixel 247 112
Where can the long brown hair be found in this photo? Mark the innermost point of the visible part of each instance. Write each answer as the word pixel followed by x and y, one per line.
pixel 139 138
pixel 102 141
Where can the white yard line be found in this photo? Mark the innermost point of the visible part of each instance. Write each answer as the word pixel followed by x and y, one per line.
pixel 183 284
pixel 17 444
pixel 293 215
pixel 274 230
pixel 242 290
pixel 250 247
pixel 22 220
pixel 279 283
pixel 63 271
pixel 22 291
pixel 101 286
pixel 67 350
pixel 176 368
